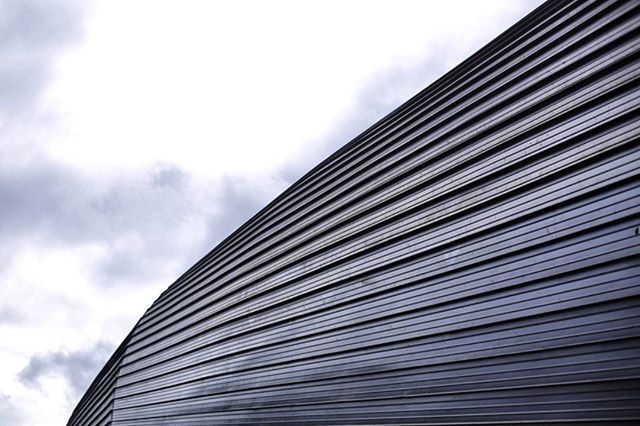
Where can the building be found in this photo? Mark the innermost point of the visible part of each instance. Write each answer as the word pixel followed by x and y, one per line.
pixel 471 258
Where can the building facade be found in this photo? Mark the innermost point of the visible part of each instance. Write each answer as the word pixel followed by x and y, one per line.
pixel 474 257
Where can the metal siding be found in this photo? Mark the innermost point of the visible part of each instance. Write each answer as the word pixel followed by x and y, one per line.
pixel 472 258
pixel 96 406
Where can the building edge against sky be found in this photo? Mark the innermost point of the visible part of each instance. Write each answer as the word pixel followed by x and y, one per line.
pixel 471 258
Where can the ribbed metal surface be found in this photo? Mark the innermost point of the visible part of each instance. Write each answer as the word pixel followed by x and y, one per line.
pixel 472 258
pixel 96 406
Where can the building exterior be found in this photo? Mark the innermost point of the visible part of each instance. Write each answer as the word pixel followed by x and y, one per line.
pixel 474 257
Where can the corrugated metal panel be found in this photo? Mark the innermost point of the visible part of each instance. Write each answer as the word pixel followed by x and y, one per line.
pixel 96 406
pixel 474 257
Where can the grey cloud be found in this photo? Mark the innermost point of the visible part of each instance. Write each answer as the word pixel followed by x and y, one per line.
pixel 9 413
pixel 32 33
pixel 58 206
pixel 167 175
pixel 10 315
pixel 68 207
pixel 388 88
pixel 151 210
pixel 146 221
pixel 238 200
pixel 139 218
pixel 77 368
pixel 380 93
pixel 167 220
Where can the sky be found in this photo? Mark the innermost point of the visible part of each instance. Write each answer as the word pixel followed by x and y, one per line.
pixel 136 135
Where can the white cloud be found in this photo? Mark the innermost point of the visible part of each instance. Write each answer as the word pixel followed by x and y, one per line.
pixel 243 86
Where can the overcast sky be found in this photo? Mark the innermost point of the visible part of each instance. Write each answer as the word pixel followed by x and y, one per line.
pixel 135 135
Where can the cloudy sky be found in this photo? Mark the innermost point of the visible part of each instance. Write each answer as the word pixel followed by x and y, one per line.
pixel 135 135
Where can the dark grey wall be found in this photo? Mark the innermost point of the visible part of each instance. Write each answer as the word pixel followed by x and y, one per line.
pixel 473 257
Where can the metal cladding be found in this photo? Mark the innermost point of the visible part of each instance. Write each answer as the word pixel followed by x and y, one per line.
pixel 471 258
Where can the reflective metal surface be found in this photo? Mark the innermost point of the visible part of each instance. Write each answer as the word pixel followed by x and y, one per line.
pixel 473 258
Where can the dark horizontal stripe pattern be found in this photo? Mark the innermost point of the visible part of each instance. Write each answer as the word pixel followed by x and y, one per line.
pixel 472 258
